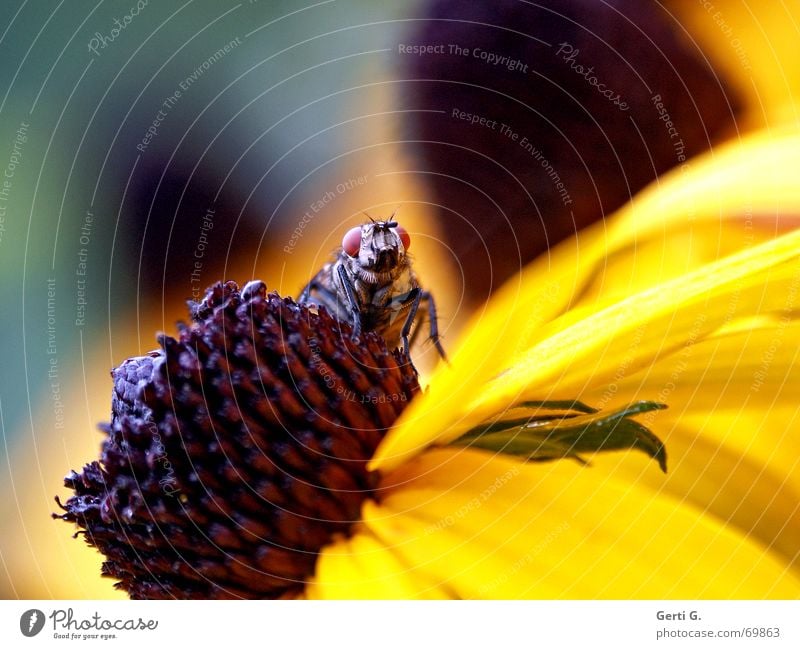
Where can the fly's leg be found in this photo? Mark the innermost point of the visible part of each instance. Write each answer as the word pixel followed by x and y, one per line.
pixel 434 324
pixel 412 314
pixel 414 336
pixel 352 303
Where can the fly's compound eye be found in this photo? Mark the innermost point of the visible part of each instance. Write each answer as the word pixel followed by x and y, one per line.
pixel 404 237
pixel 351 242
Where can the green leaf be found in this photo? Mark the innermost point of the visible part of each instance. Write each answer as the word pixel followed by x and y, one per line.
pixel 550 437
pixel 557 405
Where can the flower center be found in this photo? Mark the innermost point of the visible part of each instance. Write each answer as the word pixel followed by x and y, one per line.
pixel 238 450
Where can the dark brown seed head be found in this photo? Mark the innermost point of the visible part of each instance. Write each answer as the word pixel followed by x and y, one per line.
pixel 238 450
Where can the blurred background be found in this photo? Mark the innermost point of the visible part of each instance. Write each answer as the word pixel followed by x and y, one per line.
pixel 149 149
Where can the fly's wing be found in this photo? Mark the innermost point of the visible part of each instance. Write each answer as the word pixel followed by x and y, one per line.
pixel 400 304
pixel 322 291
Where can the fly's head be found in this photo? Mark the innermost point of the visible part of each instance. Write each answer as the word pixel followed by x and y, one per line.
pixel 376 252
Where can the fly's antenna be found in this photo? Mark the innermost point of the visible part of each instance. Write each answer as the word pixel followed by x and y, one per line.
pixel 368 216
pixel 390 222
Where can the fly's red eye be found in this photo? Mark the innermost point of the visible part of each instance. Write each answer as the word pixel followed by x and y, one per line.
pixel 404 237
pixel 351 242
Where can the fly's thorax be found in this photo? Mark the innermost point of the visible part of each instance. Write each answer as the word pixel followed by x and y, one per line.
pixel 384 307
pixel 395 291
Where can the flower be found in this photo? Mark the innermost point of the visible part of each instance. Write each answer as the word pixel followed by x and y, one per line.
pixel 686 296
pixel 237 451
pixel 694 306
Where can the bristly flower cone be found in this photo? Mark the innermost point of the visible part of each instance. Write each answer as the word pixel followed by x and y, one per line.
pixel 238 450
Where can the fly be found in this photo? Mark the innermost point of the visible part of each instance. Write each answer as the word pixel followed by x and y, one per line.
pixel 372 286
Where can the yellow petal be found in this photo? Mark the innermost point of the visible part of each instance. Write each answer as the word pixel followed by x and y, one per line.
pixel 490 527
pixel 361 567
pixel 754 44
pixel 745 180
pixel 652 324
pixel 755 368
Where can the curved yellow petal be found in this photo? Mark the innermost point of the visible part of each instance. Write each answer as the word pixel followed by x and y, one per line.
pixel 646 326
pixel 755 45
pixel 744 180
pixel 490 527
pixel 755 368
